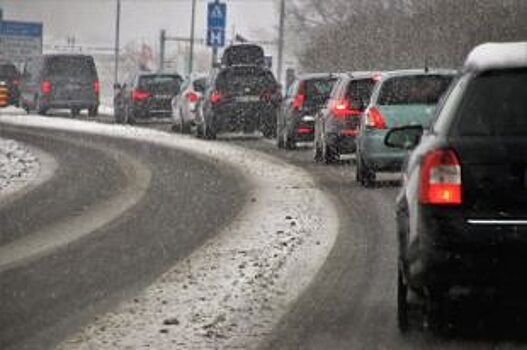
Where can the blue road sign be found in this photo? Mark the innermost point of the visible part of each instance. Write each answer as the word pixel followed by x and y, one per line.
pixel 20 40
pixel 216 14
pixel 25 29
pixel 216 37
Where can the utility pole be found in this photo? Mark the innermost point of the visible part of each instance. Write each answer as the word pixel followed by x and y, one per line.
pixel 116 49
pixel 281 42
pixel 162 41
pixel 192 24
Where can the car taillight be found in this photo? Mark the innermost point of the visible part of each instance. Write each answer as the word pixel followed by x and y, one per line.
pixel 342 108
pixel 440 178
pixel 215 97
pixel 304 131
pixel 96 86
pixel 138 95
pixel 45 87
pixel 298 101
pixel 374 119
pixel 191 96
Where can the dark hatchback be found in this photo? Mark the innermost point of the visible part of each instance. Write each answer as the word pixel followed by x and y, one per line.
pixel 242 98
pixel 10 76
pixel 60 81
pixel 306 96
pixel 462 211
pixel 146 95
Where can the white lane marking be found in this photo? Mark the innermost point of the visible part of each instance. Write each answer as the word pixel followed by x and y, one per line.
pixel 498 222
pixel 40 243
pixel 231 291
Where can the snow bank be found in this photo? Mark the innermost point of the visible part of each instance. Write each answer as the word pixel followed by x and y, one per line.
pixel 18 166
pixel 229 293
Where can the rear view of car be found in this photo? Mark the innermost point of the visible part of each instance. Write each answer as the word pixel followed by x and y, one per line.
pixel 152 95
pixel 10 78
pixel 336 126
pixel 60 82
pixel 185 104
pixel 401 98
pixel 306 96
pixel 241 99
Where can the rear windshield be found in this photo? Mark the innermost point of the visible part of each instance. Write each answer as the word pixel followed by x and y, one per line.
pixel 244 54
pixel 8 71
pixel 360 90
pixel 71 66
pixel 160 83
pixel 245 80
pixel 495 104
pixel 419 89
pixel 318 90
pixel 200 85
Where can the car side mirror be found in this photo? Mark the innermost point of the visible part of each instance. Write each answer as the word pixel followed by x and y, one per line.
pixel 406 137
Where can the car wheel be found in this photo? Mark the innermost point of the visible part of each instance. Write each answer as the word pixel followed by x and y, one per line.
pixel 75 112
pixel 41 110
pixel 289 144
pixel 93 112
pixel 209 133
pixel 280 141
pixel 199 131
pixel 184 127
pixel 317 153
pixel 129 117
pixel 328 154
pixel 403 321
pixel 364 174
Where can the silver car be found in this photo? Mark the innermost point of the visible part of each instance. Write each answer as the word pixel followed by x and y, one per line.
pixel 185 104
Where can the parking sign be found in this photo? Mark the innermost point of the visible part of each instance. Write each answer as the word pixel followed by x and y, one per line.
pixel 216 21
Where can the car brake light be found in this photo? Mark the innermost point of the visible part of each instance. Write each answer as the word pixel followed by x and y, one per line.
pixel 138 95
pixel 45 87
pixel 342 108
pixel 298 101
pixel 304 131
pixel 374 119
pixel 215 97
pixel 191 97
pixel 440 178
pixel 96 86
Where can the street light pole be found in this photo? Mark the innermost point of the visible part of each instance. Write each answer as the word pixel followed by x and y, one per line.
pixel 281 42
pixel 192 25
pixel 117 32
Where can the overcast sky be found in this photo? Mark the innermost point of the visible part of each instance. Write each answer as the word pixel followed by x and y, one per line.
pixel 92 22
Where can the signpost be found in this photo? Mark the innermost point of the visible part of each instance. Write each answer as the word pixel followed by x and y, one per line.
pixel 19 40
pixel 216 21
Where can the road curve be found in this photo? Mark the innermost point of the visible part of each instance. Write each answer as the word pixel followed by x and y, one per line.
pixel 45 298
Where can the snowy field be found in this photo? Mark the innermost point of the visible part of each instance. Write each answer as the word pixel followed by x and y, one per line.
pixel 232 291
pixel 18 166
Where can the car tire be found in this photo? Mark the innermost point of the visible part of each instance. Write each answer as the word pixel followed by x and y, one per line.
pixel 403 306
pixel 365 176
pixel 39 108
pixel 93 112
pixel 75 112
pixel 328 155
pixel 129 117
pixel 280 141
pixel 289 144
pixel 184 127
pixel 209 133
pixel 317 153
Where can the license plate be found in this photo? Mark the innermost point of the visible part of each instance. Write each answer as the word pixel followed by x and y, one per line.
pixel 248 98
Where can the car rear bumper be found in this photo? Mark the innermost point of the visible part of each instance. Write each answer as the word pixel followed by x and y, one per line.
pixel 242 117
pixel 341 144
pixel 453 251
pixel 377 155
pixel 68 104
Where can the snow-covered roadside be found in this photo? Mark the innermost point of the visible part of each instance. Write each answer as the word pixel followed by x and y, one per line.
pixel 229 293
pixel 18 166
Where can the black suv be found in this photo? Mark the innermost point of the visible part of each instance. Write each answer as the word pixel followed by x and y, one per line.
pixel 10 76
pixel 462 211
pixel 241 98
pixel 146 95
pixel 305 97
pixel 60 81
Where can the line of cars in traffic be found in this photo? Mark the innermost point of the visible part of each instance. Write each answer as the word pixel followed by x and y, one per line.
pixel 460 140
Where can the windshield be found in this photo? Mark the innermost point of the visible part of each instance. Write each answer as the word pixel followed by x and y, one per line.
pixel 71 67
pixel 160 83
pixel 495 105
pixel 412 90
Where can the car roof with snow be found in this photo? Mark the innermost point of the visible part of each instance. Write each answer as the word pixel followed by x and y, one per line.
pixel 491 56
pixel 308 76
pixel 422 71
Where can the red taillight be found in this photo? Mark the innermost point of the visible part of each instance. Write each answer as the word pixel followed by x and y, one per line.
pixel 96 86
pixel 304 131
pixel 440 178
pixel 374 119
pixel 45 87
pixel 138 95
pixel 191 97
pixel 215 97
pixel 298 101
pixel 342 108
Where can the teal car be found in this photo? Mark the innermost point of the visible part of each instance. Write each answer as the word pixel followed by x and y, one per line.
pixel 400 98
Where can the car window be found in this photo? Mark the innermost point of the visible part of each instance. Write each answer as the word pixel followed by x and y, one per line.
pixel 200 85
pixel 318 90
pixel 71 66
pixel 495 104
pixel 159 83
pixel 419 89
pixel 360 90
pixel 237 80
